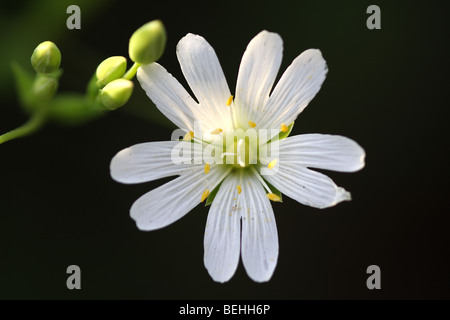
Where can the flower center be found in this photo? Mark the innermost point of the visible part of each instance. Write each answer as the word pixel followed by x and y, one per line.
pixel 240 148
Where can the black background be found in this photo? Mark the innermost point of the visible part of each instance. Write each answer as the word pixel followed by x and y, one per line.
pixel 386 89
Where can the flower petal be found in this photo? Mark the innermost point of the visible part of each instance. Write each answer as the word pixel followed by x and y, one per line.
pixel 257 72
pixel 322 151
pixel 168 95
pixel 153 160
pixel 306 186
pixel 222 240
pixel 204 75
pixel 171 201
pixel 259 231
pixel 297 87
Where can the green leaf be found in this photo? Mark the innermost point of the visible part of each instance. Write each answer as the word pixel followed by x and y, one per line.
pixel 24 83
pixel 212 195
pixel 73 109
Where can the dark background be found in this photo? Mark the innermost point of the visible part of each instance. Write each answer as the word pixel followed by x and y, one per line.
pixel 387 89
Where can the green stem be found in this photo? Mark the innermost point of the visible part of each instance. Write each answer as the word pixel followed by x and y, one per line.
pixel 132 72
pixel 33 124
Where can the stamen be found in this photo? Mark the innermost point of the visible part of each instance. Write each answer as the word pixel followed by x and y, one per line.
pixel 272 163
pixel 216 131
pixel 205 195
pixel 228 154
pixel 188 136
pixel 239 189
pixel 258 176
pixel 240 142
pixel 251 124
pixel 241 163
pixel 207 168
pixel 284 128
pixel 230 100
pixel 273 197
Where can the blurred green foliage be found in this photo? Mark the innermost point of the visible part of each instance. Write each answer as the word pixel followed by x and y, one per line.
pixel 26 25
pixel 22 30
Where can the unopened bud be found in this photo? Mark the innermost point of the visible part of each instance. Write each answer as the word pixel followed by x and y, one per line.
pixel 116 93
pixel 111 69
pixel 148 42
pixel 46 58
pixel 44 87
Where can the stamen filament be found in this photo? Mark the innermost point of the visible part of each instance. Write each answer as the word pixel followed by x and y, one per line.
pixel 258 176
pixel 241 163
pixel 232 110
pixel 228 154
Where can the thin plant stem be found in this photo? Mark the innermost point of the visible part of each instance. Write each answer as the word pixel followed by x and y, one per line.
pixel 36 121
pixel 132 71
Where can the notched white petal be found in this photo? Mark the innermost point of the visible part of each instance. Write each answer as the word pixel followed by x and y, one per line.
pixel 257 72
pixel 297 87
pixel 223 232
pixel 306 186
pixel 322 151
pixel 150 161
pixel 203 72
pixel 169 96
pixel 171 201
pixel 259 232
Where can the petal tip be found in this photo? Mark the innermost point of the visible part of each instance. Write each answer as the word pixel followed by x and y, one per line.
pixel 263 276
pixel 118 164
pixel 220 276
pixel 342 195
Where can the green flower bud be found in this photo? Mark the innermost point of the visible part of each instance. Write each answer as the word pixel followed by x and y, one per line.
pixel 44 87
pixel 148 42
pixel 116 93
pixel 46 58
pixel 111 69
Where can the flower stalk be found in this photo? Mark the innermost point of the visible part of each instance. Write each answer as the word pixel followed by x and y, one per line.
pixel 36 121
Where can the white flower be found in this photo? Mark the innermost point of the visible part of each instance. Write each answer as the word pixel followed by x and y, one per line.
pixel 241 220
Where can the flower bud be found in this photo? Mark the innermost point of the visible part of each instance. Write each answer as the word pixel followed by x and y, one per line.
pixel 44 87
pixel 116 93
pixel 148 42
pixel 46 58
pixel 111 69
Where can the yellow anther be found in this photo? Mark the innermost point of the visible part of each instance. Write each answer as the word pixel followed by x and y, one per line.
pixel 251 124
pixel 217 131
pixel 273 197
pixel 230 100
pixel 205 195
pixel 207 168
pixel 272 163
pixel 239 189
pixel 284 128
pixel 188 136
